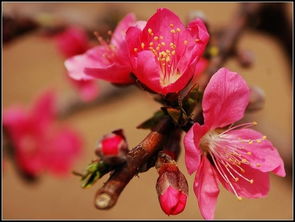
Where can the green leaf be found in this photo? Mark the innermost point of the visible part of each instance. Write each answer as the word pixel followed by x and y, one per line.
pixel 94 171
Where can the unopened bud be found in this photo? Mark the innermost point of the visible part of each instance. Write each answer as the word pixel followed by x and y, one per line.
pixel 112 148
pixel 172 189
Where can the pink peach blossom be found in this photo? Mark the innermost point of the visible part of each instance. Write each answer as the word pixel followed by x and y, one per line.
pixel 164 54
pixel 237 157
pixel 71 42
pixel 109 62
pixel 39 143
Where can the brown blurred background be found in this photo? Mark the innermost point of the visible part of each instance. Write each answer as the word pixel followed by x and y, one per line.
pixel 32 64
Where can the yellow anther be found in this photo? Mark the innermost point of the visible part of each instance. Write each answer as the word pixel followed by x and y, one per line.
pixel 254 123
pixel 151 48
pixel 168 51
pixel 135 49
pixel 214 51
pixel 150 31
pixel 168 59
pixel 251 181
pixel 258 164
pixel 173 52
pixel 161 37
pixel 172 31
pixel 163 43
pixel 250 142
pixel 156 38
pixel 178 30
pixel 142 45
pixel 258 140
pixel 185 42
pixel 171 25
pixel 151 43
pixel 197 40
pixel 239 198
pixel 244 161
pixel 249 153
pixel 236 179
pixel 158 48
pixel 264 137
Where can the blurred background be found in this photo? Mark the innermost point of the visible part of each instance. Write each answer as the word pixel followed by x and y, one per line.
pixel 32 64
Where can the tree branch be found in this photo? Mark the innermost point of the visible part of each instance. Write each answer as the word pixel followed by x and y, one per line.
pixel 107 196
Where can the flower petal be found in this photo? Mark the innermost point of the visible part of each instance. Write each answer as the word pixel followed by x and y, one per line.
pixel 206 189
pixel 114 73
pixel 92 59
pixel 199 31
pixel 61 151
pixel 264 156
pixel 160 24
pixel 146 64
pixel 72 41
pixel 192 149
pixel 258 189
pixel 225 98
pixel 44 109
pixel 87 89
pixel 120 31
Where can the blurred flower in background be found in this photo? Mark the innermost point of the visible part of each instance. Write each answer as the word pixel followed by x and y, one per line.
pixel 39 143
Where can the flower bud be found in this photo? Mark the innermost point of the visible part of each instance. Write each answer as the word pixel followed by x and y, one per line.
pixel 172 189
pixel 112 148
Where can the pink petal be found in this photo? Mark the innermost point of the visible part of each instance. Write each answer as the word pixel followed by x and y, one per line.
pixel 258 189
pixel 146 64
pixel 225 98
pixel 72 41
pixel 264 156
pixel 160 22
pixel 61 151
pixel 206 189
pixel 120 31
pixel 91 59
pixel 133 39
pixel 192 149
pixel 172 201
pixel 88 89
pixel 199 31
pixel 114 73
pixel 44 109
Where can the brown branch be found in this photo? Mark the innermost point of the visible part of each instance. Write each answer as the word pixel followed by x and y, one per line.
pixel 107 196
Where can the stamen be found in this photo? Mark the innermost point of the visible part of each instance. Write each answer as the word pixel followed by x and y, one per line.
pixel 135 49
pixel 224 176
pixel 171 25
pixel 173 31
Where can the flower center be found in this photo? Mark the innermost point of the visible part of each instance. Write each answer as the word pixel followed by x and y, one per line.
pixel 228 154
pixel 167 51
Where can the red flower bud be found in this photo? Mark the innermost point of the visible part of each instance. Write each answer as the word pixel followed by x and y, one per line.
pixel 172 189
pixel 112 148
pixel 173 201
